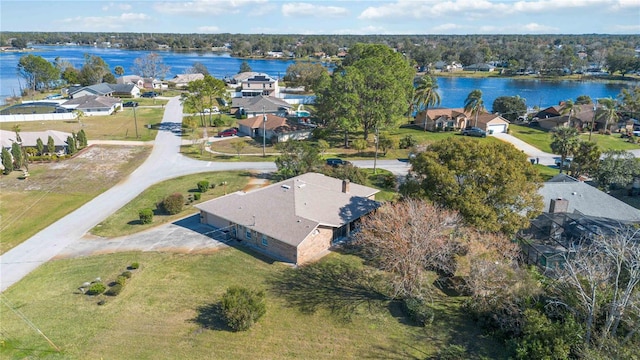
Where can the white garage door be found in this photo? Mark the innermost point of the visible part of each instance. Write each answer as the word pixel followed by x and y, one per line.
pixel 497 128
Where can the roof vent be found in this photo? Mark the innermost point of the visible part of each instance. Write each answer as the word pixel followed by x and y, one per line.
pixel 286 187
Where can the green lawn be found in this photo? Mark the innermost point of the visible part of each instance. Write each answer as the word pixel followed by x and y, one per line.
pixel 125 220
pixel 161 312
pixel 542 139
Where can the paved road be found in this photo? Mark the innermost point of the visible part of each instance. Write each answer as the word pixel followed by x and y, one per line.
pixel 163 163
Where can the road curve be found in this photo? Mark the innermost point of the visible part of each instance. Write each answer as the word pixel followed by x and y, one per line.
pixel 163 163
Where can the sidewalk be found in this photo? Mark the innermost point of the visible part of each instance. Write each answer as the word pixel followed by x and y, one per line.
pixel 531 151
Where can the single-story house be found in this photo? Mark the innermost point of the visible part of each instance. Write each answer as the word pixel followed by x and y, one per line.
pixel 136 80
pixel 277 128
pixel 574 212
pixel 440 119
pixel 30 139
pixel 92 105
pixel 254 106
pixel 102 89
pixel 480 67
pixel 295 220
pixel 125 90
pixel 553 116
pixel 182 80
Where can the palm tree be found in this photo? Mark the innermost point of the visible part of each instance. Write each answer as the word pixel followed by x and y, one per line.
pixel 474 104
pixel 425 95
pixel 564 142
pixel 569 108
pixel 609 112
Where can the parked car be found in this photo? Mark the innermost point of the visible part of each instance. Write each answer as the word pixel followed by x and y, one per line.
pixel 567 162
pixel 335 162
pixel 130 104
pixel 474 131
pixel 150 94
pixel 214 110
pixel 228 132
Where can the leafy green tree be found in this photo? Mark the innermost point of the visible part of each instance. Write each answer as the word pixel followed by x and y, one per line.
pixel 630 101
pixel 19 43
pixel 609 112
pixel 586 159
pixel 38 72
pixel 474 104
pixel 238 146
pixel 425 95
pixel 16 153
pixel 623 61
pixel 372 88
pixel 305 74
pixel 510 107
pixel 583 100
pixel 39 146
pixel 94 70
pixel 51 145
pixel 296 158
pixel 71 145
pixel 244 67
pixel 360 145
pixel 570 108
pixel 543 339
pixel 492 185
pixel 323 146
pixel 242 307
pixel 146 216
pixel 71 75
pixel 7 161
pixel 119 70
pixel 617 167
pixel 386 143
pixel 564 142
pixel 173 203
pixel 203 94
pixel 151 66
pixel 82 139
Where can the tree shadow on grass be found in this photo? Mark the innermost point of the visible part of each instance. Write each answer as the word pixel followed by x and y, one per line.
pixel 210 317
pixel 337 286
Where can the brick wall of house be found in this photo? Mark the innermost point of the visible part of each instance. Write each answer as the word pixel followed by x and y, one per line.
pixel 274 248
pixel 314 245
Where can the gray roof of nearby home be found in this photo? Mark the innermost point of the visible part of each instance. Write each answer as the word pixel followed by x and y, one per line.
pixel 290 210
pixel 186 78
pixel 256 104
pixel 97 89
pixel 30 138
pixel 92 102
pixel 122 88
pixel 587 199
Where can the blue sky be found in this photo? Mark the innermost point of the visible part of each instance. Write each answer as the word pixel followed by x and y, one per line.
pixel 326 17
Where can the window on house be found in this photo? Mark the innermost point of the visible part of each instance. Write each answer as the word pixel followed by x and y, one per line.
pixel 248 234
pixel 264 240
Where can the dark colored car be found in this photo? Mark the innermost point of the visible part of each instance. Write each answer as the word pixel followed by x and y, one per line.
pixel 335 162
pixel 130 104
pixel 228 132
pixel 150 94
pixel 474 131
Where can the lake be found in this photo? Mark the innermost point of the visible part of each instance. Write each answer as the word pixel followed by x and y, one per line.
pixel 453 91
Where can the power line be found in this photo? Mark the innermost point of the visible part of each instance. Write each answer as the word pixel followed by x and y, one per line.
pixel 28 322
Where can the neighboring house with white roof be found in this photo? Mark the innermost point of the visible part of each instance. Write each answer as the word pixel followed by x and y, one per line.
pixel 30 139
pixel 104 89
pixel 295 220
pixel 94 105
pixel 182 80
pixel 276 128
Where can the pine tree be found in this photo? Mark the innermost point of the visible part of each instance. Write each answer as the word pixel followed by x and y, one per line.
pixel 7 161
pixel 51 146
pixel 16 152
pixel 71 145
pixel 40 146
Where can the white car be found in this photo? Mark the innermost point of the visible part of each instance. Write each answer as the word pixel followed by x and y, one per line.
pixel 213 110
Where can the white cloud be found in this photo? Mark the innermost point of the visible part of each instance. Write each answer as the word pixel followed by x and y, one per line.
pixel 204 7
pixel 208 29
pixel 123 7
pixel 447 27
pixel 306 9
pixel 86 23
pixel 627 28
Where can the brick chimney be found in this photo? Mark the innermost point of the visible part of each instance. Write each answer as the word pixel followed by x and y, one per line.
pixel 559 206
pixel 345 186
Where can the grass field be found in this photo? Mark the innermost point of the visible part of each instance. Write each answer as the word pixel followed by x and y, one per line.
pixel 542 139
pixel 126 220
pixel 119 126
pixel 163 309
pixel 56 189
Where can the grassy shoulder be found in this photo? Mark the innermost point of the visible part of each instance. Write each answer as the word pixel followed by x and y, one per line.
pixel 541 139
pixel 161 311
pixel 126 220
pixel 54 190
pixel 119 126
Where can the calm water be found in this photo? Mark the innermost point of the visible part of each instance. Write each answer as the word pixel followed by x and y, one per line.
pixel 453 91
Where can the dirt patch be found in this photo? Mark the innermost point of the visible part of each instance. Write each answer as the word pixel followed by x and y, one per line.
pixel 256 183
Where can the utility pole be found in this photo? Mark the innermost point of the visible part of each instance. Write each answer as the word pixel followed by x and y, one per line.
pixel 135 120
pixel 593 120
pixel 375 159
pixel 264 133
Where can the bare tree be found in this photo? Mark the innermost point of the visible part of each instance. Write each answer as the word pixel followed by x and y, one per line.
pixel 151 66
pixel 407 239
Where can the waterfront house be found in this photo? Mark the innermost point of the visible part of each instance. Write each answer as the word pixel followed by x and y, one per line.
pixel 275 128
pixel 181 81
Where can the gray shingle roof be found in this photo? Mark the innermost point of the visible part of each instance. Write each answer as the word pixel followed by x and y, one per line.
pixel 290 210
pixel 588 200
pixel 30 138
pixel 93 102
pixel 256 104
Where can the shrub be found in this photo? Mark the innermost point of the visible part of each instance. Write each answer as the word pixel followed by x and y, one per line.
pixel 173 203
pixel 203 186
pixel 212 186
pixel 126 274
pixel 388 180
pixel 115 290
pixel 196 196
pixel 408 142
pixel 146 216
pixel 217 122
pixel 242 307
pixel 417 310
pixel 121 280
pixel 96 289
pixel 134 266
pixel 453 352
